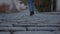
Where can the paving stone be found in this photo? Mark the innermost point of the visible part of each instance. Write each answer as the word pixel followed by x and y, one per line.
pixel 5 25
pixel 56 32
pixel 4 32
pixel 38 25
pixel 43 29
pixel 13 28
pixel 34 32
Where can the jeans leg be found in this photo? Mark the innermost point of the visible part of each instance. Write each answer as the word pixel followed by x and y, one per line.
pixel 31 8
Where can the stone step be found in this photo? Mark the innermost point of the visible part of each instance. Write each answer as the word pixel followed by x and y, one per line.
pixel 42 29
pixel 56 32
pixel 36 25
pixel 29 25
pixel 4 32
pixel 5 25
pixel 34 32
pixel 12 29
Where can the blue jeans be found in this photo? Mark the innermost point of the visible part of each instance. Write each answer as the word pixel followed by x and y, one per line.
pixel 31 5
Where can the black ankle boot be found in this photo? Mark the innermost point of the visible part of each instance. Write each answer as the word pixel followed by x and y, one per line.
pixel 31 13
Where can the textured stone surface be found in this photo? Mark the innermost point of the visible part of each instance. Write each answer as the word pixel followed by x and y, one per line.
pixel 4 32
pixel 24 18
pixel 34 32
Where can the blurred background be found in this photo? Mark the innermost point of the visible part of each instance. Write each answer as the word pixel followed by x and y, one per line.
pixel 40 5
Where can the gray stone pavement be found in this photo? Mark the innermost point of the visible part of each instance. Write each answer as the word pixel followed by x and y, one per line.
pixel 4 32
pixel 23 17
pixel 32 32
